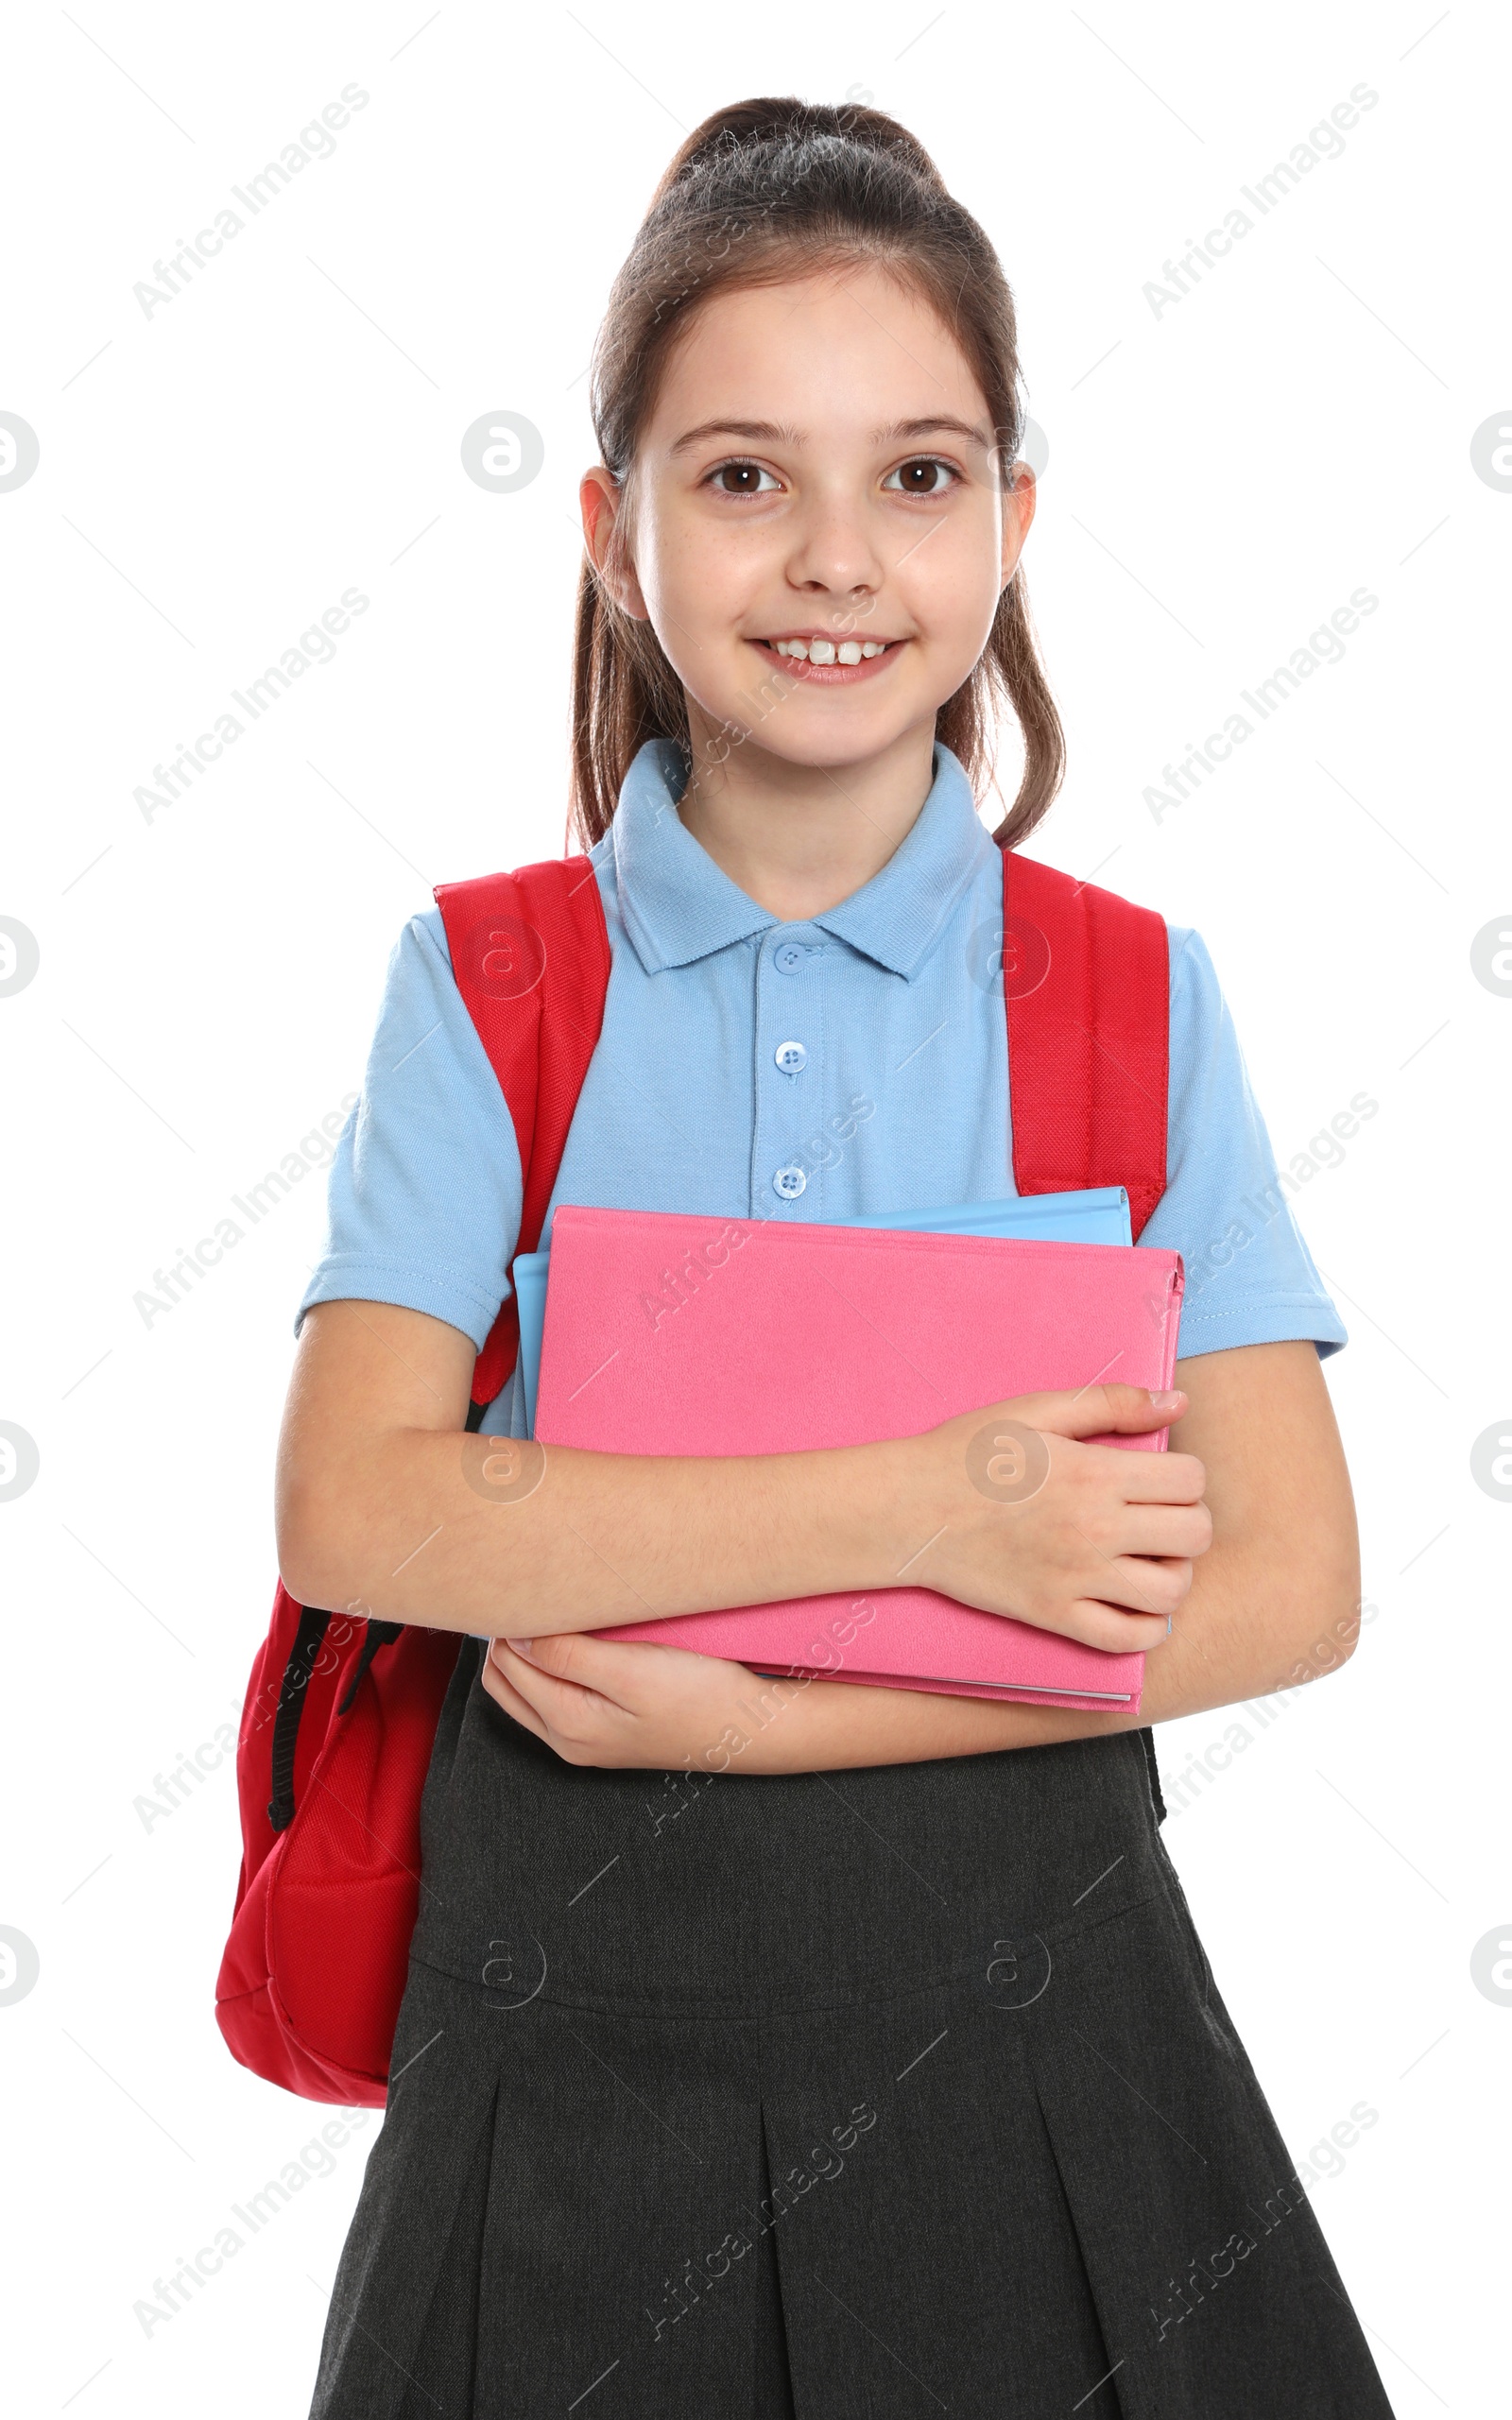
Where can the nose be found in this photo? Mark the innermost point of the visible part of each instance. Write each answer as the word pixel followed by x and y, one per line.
pixel 834 556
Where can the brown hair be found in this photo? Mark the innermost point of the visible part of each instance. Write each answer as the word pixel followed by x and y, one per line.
pixel 762 191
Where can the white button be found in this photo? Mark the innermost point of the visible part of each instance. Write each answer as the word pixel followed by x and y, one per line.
pixel 789 1182
pixel 791 1056
pixel 787 957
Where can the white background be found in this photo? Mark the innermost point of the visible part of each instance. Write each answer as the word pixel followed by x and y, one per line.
pixel 1221 476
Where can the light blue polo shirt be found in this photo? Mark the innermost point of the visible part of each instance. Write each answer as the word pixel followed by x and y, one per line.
pixel 852 1064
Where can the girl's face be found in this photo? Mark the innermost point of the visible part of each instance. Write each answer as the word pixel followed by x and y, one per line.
pixel 817 470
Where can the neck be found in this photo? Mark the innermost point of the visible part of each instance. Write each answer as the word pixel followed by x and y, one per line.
pixel 800 838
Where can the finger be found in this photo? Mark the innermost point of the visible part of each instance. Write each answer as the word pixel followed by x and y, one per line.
pixel 568 1707
pixel 511 1701
pixel 1146 1584
pixel 528 1677
pixel 628 1671
pixel 1114 1630
pixel 1158 1530
pixel 1098 1411
pixel 1141 1478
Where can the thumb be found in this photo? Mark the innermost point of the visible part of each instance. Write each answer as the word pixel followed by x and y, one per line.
pixel 1103 1411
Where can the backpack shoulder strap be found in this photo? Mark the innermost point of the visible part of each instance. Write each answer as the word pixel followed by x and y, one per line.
pixel 1086 984
pixel 530 956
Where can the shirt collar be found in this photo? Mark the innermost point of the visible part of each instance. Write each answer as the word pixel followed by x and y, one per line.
pixel 678 905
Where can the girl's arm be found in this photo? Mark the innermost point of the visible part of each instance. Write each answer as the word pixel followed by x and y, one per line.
pixel 385 1507
pixel 1273 1603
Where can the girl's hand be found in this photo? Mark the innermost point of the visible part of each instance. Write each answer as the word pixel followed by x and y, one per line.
pixel 1014 1513
pixel 1094 1541
pixel 599 1701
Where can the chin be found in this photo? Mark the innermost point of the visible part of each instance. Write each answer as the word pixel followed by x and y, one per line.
pixel 807 728
pixel 829 743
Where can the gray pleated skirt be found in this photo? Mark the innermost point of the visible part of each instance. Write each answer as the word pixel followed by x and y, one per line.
pixel 825 2097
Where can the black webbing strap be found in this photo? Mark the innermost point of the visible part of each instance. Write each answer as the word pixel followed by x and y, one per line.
pixel 307 1644
pixel 308 1641
pixel 380 1634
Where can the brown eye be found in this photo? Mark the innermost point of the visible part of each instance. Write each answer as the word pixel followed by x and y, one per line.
pixel 739 478
pixel 925 477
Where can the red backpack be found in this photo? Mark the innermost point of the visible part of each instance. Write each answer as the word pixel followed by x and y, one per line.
pixel 341 1711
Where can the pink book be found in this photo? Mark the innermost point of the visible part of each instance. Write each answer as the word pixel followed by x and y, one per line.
pixel 691 1335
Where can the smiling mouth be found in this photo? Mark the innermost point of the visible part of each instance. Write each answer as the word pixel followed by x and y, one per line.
pixel 814 649
pixel 811 662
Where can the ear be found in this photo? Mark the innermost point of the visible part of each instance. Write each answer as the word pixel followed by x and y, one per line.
pixel 601 500
pixel 1019 499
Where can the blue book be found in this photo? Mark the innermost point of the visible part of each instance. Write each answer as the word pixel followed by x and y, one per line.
pixel 1100 1216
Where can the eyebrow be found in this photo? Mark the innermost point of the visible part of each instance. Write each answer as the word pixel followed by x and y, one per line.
pixel 773 433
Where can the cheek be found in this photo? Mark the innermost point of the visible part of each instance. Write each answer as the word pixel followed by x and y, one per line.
pixel 951 585
pixel 699 583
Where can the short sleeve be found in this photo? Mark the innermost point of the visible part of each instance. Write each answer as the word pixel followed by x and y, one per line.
pixel 1249 1278
pixel 424 1191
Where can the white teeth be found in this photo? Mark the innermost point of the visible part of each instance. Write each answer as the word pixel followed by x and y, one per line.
pixel 825 650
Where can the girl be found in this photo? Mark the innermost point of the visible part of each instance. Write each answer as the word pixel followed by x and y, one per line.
pixel 881 2071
